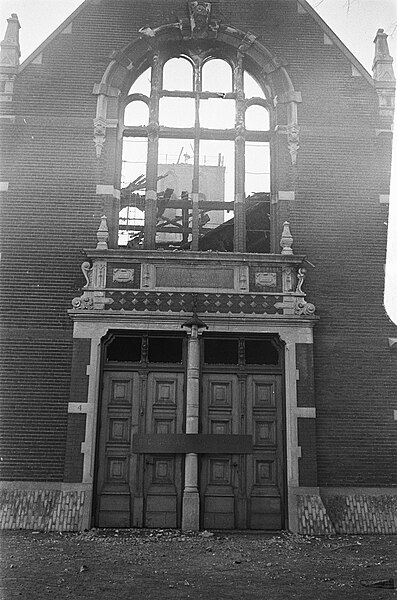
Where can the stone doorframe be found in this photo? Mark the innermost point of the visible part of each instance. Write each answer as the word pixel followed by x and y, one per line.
pixel 294 336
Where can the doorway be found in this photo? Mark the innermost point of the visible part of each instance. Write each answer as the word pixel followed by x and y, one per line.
pixel 143 393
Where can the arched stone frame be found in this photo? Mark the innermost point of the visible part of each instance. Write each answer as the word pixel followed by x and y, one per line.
pixel 290 334
pixel 168 41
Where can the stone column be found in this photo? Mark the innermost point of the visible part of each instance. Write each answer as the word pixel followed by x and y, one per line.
pixel 191 498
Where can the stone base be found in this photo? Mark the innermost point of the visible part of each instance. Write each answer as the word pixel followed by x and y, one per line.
pixel 318 511
pixel 191 511
pixel 347 511
pixel 45 506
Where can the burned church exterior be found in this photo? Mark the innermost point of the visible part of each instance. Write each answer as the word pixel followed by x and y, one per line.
pixel 194 198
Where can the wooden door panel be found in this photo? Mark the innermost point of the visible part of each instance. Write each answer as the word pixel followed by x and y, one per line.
pixel 243 491
pixel 265 466
pixel 163 474
pixel 120 394
pixel 132 489
pixel 218 474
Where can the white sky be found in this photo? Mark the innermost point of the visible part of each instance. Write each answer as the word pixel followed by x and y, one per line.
pixel 354 21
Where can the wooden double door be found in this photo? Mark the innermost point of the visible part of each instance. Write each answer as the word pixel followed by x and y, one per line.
pixel 237 491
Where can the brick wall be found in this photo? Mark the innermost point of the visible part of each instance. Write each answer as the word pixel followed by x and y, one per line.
pixel 51 212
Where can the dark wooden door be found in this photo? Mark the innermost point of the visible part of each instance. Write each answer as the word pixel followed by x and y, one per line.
pixel 162 472
pixel 137 490
pixel 240 491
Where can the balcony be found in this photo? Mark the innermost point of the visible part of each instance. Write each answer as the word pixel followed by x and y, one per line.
pixel 144 281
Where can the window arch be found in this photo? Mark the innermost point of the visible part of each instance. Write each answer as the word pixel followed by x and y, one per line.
pixel 207 149
pixel 216 76
pixel 178 74
pixel 136 113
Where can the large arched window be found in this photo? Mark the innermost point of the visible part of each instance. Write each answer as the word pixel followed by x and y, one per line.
pixel 196 157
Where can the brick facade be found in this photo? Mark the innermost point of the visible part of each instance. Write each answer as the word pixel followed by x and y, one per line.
pixel 51 210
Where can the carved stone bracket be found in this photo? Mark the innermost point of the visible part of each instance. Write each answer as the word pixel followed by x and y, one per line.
pixel 84 302
pixel 304 308
pixel 91 301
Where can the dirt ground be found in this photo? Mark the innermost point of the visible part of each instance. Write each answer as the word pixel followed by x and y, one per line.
pixel 154 565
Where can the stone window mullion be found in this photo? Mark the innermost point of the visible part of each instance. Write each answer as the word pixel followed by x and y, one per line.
pixel 152 157
pixel 239 158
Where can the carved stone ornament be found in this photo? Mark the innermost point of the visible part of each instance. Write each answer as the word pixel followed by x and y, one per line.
pixel 293 141
pixel 99 274
pixel 103 234
pixel 240 130
pixel 84 302
pixel 145 276
pixel 99 135
pixel 288 279
pixel 243 280
pixel 201 25
pixel 304 308
pixel 301 279
pixel 200 13
pixel 286 239
pixel 123 275
pixel 266 279
pixel 87 272
pixel 247 42
pixel 153 130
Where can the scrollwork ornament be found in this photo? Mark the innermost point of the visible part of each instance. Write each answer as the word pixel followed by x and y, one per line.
pixel 83 302
pixel 304 308
pixel 86 269
pixel 301 279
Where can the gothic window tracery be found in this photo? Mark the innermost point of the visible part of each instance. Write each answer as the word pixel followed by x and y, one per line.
pixel 196 156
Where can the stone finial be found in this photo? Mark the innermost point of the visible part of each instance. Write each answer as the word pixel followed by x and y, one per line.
pixel 383 62
pixel 383 74
pixel 9 58
pixel 286 239
pixel 103 234
pixel 10 50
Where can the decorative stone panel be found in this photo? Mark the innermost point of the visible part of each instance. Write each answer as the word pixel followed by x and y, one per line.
pixel 204 303
pixel 265 279
pixel 123 275
pixel 43 509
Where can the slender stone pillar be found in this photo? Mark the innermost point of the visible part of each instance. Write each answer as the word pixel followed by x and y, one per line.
pixel 191 498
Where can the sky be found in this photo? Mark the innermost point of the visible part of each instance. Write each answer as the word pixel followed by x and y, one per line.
pixel 354 21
